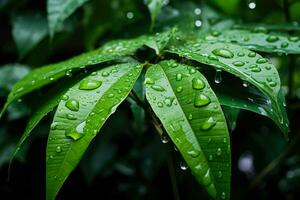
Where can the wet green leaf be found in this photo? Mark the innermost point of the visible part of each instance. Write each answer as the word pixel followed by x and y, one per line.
pixel 48 74
pixel 59 10
pixel 262 41
pixel 191 114
pixel 245 64
pixel 80 115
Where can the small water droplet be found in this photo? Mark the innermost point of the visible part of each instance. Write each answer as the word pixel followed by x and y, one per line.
pixel 58 149
pixel 168 101
pixel 71 117
pixel 160 104
pixel 194 153
pixel 272 84
pixel 179 89
pixel 223 53
pixel 105 74
pixel 208 124
pixel 223 195
pixel 206 180
pixel 213 57
pixel 218 76
pixel 284 45
pixel 198 84
pixel 72 105
pixel 89 84
pixel 65 97
pixel 240 54
pixel 272 38
pixel 178 77
pixel 294 38
pixel 261 60
pixel 219 152
pixel 190 117
pixel 165 138
pixel 210 157
pixel 149 81
pixel 238 63
pixel 201 100
pixel 183 165
pixel 251 54
pixel 158 88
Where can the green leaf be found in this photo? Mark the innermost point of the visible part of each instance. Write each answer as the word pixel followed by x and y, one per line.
pixel 231 115
pixel 269 27
pixel 191 114
pixel 43 107
pixel 245 64
pixel 45 75
pixel 28 31
pixel 81 114
pixel 59 10
pixel 154 7
pixel 262 41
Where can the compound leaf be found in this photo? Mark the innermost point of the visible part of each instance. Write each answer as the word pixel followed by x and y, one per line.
pixel 80 115
pixel 191 114
pixel 245 64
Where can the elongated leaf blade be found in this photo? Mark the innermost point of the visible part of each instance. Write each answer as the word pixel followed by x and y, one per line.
pixel 48 74
pixel 191 114
pixel 245 64
pixel 79 117
pixel 261 41
pixel 59 10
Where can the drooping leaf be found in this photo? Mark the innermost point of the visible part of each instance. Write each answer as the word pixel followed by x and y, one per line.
pixel 245 64
pixel 191 114
pixel 28 31
pixel 59 10
pixel 262 41
pixel 48 74
pixel 154 7
pixel 80 115
pixel 43 107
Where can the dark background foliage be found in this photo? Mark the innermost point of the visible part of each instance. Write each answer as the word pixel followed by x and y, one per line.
pixel 128 160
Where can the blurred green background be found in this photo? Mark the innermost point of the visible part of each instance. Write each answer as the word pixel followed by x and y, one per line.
pixel 128 160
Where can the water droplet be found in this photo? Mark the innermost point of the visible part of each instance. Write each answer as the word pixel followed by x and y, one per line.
pixel 178 77
pixel 105 74
pixel 179 89
pixel 284 45
pixel 197 11
pixel 210 157
pixel 294 38
pixel 71 117
pixel 238 63
pixel 198 23
pixel 218 76
pixel 169 100
pixel 54 126
pixel 272 38
pixel 268 67
pixel 65 97
pixel 190 117
pixel 223 53
pixel 158 88
pixel 206 180
pixel 149 81
pixel 245 83
pixel 261 60
pixel 183 166
pixel 198 84
pixel 72 105
pixel 223 195
pixel 111 95
pixel 251 54
pixel 240 54
pixel 194 153
pixel 213 57
pixel 58 149
pixel 215 33
pixel 208 124
pixel 160 104
pixel 89 84
pixel 165 138
pixel 260 29
pixel 201 100
pixel 272 84
pixel 192 71
pixel 77 133
pixel 219 152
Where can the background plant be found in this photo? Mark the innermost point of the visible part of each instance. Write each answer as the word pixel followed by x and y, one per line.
pixel 175 71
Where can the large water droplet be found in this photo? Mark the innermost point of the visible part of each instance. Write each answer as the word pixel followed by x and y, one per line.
pixel 201 100
pixel 223 53
pixel 72 104
pixel 89 84
pixel 77 133
pixel 208 124
pixel 149 81
pixel 294 38
pixel 158 88
pixel 198 84
pixel 251 54
pixel 218 76
pixel 272 38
